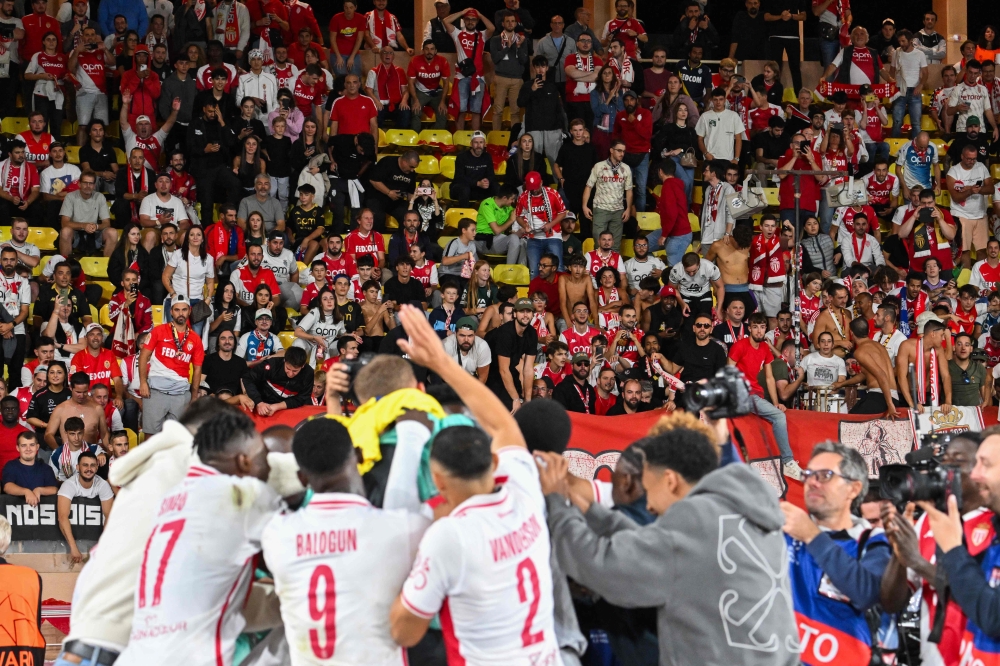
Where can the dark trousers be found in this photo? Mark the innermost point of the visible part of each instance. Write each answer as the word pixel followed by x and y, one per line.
pixel 15 362
pixel 776 46
pixel 54 116
pixel 51 216
pixel 581 110
pixel 216 184
pixel 34 214
pixel 339 204
pixel 130 419
pixel 176 138
pixel 382 207
pixel 8 91
pixel 464 193
pixel 874 403
pixel 400 117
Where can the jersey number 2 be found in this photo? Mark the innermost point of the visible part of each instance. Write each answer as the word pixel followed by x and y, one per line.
pixel 174 527
pixel 526 570
pixel 325 613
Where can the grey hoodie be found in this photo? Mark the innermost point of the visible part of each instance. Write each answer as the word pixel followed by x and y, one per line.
pixel 714 566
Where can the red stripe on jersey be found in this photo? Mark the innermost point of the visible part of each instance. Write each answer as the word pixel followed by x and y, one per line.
pixel 201 470
pixel 452 646
pixel 333 506
pixel 222 614
pixel 485 506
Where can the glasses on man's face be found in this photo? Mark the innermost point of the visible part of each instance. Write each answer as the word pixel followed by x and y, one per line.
pixel 582 363
pixel 546 265
pixel 727 70
pixel 822 476
pixel 703 326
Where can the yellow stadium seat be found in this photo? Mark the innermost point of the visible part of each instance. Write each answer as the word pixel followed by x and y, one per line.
pixel 13 125
pixel 511 274
pixel 68 128
pixel 391 222
pixel 927 123
pixel 302 267
pixel 436 136
pixel 627 250
pixel 944 199
pixel 385 239
pixel 44 237
pixel 447 164
pixel 95 267
pixel 941 144
pixel 698 195
pixel 522 292
pixel 404 137
pixel 5 234
pixel 287 338
pixel 503 168
pixel 498 138
pixel 94 316
pixel 382 143
pixel 104 318
pixel 695 222
pixel 113 129
pixel 107 289
pixel 548 166
pixel 963 278
pixel 648 221
pixel 462 138
pixel 790 96
pixel 37 270
pixel 121 156
pixel 444 240
pixel 428 166
pixel 73 154
pixel 588 244
pixel 926 98
pixel 771 194
pixel 995 171
pixel 133 439
pixel 895 145
pixel 157 315
pixel 453 215
pixel 445 191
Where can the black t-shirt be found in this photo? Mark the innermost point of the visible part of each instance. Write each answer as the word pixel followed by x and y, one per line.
pixel 788 28
pixel 46 302
pixel 981 142
pixel 304 222
pixel 349 160
pixel 43 404
pixel 222 374
pixel 576 163
pixel 699 362
pixel 896 250
pixel 750 34
pixel 98 160
pixel 126 62
pixel 394 290
pixel 619 408
pixel 774 146
pixel 508 343
pixel 388 173
pixel 279 153
pixel 353 319
pixel 660 321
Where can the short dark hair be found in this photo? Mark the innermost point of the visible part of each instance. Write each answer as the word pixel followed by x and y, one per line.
pixel 78 378
pixel 667 167
pixel 226 428
pixel 202 410
pixel 757 318
pixel 85 454
pixel 859 328
pixel 322 446
pixel 506 191
pixel 540 61
pixel 464 451
pixel 916 275
pixel 365 261
pixel 74 424
pixel 544 424
pixel 969 290
pixel 683 450
pixel 295 357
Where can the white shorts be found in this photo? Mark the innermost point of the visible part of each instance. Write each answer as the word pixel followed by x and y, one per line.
pixel 90 106
pixel 769 299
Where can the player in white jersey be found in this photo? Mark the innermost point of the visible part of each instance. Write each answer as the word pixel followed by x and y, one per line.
pixel 339 563
pixel 197 564
pixel 485 566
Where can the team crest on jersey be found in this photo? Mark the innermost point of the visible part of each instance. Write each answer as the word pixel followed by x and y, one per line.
pixel 880 441
pixel 107 364
pixel 979 535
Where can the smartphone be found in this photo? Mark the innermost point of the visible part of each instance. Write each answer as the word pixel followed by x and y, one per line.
pixel 925 215
pixel 599 350
pixel 142 68
pixel 91 47
pixel 979 183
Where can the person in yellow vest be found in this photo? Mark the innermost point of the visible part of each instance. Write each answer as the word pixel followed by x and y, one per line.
pixel 21 639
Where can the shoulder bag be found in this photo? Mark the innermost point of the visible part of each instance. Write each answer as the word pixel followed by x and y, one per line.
pixel 467 67
pixel 749 201
pixel 201 310
pixel 688 159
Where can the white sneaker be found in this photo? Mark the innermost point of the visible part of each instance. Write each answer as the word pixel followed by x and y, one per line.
pixel 792 470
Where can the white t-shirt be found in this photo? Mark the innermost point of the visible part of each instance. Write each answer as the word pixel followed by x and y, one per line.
pixel 636 270
pixel 908 67
pixel 315 324
pixel 282 265
pixel 477 357
pixel 977 97
pixel 489 558
pixel 974 207
pixel 29 249
pixel 892 346
pixel 720 131
pixel 201 270
pixel 822 371
pixel 72 487
pixel 343 556
pixel 15 292
pixel 194 575
pixel 153 206
pixel 697 285
pixel 54 181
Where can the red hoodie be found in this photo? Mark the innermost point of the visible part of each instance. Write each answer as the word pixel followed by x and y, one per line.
pixel 145 91
pixel 673 209
pixel 636 135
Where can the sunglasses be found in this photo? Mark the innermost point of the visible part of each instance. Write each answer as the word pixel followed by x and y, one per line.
pixel 703 326
pixel 582 363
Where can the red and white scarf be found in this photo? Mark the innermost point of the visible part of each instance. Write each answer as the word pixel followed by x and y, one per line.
pixel 765 255
pixel 231 25
pixel 389 83
pixel 143 187
pixel 625 71
pixel 376 25
pixel 23 186
pixel 584 65
pixel 200 10
pixel 859 251
pixel 926 375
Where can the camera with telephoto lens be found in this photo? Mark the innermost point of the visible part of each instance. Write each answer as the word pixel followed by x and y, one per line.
pixel 924 477
pixel 354 366
pixel 727 394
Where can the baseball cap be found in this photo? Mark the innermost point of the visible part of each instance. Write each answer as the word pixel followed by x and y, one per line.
pixel 481 135
pixel 142 119
pixel 142 48
pixel 972 120
pixel 889 21
pixel 532 181
pixel 466 322
pixel 163 174
pixel 925 317
pixel 472 13
pixel 179 298
pixel 60 144
pixel 275 235
pixel 630 93
pixel 580 357
pixel 263 312
pixel 93 327
pixel 523 304
pixel 41 368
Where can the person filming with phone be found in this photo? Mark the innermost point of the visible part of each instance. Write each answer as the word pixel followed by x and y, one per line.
pixel 927 231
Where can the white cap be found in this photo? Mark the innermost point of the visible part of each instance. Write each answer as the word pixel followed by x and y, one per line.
pixel 925 317
pixel 478 135
pixel 142 119
pixel 263 312
pixel 94 326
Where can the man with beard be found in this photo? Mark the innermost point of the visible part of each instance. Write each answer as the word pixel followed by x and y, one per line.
pixel 863 247
pixel 514 347
pixel 749 355
pixel 733 328
pixel 62 287
pixel 579 334
pixel 626 341
pixel 939 99
pixel 210 144
pixel 19 185
pixel 337 263
pixel 474 174
pixel 249 276
pixel 160 207
pixel 170 356
pixel 15 299
pixel 666 320
pixel 132 184
pixel 969 383
pixel 605 388
pixel 642 265
pixel 159 256
pixel 973 136
pixel 278 383
pixel 429 78
pixel 986 272
pixel 928 354
pixel 471 351
pixel 835 320
pixel 183 186
pixel 887 334
pixel 630 401
pixel 223 370
pixel 581 70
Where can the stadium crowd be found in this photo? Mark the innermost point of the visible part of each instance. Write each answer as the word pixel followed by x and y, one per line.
pixel 221 199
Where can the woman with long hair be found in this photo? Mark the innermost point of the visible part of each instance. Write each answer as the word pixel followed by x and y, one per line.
pixel 125 60
pixel 286 108
pixel 523 161
pixel 817 249
pixel 190 272
pixel 836 154
pixel 988 45
pixel 610 297
pixel 480 291
pixel 263 299
pixel 663 112
pixel 47 69
pixel 249 164
pixel 129 253
pixel 255 233
pixel 247 125
pixel 307 146
pixel 196 55
pixel 770 78
pixel 318 330
pixel 606 100
pixel 676 138
pixel 226 314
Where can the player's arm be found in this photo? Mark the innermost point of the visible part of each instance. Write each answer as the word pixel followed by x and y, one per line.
pixel 425 348
pixel 63 505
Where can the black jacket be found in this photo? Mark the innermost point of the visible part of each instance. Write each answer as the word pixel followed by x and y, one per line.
pixel 544 110
pixel 566 394
pixel 202 132
pixel 708 39
pixel 116 266
pixel 470 169
pixel 398 248
pixel 262 380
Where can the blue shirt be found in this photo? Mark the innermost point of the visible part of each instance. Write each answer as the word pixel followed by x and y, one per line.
pixel 438 318
pixel 37 475
pixel 917 164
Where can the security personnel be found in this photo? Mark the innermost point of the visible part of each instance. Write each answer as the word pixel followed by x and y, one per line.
pixel 836 559
pixel 21 639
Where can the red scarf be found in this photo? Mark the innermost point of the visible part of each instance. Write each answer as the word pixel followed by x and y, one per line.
pixel 388 85
pixel 232 35
pixel 23 186
pixel 765 256
pixel 143 187
pixel 199 10
pixel 859 251
pixel 926 375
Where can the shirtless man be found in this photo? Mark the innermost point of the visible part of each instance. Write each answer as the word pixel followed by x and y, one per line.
pixel 492 315
pixel 932 332
pixel 876 366
pixel 733 258
pixel 835 320
pixel 646 297
pixel 575 286
pixel 83 406
pixel 378 315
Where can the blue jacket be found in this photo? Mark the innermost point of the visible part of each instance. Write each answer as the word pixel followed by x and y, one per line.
pixel 132 10
pixel 974 589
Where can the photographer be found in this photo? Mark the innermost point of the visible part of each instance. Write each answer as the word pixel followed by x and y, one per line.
pixel 914 553
pixel 837 558
pixel 969 578
pixel 692 560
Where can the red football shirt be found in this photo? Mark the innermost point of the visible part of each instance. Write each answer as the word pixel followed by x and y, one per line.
pixel 347 31
pixel 353 116
pixel 427 76
pixel 578 342
pixel 749 361
pixel 167 360
pixel 306 96
pixel 358 245
pixel 8 443
pixel 101 368
pixel 343 266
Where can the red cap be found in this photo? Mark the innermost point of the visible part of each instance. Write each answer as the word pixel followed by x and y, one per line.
pixel 472 13
pixel 142 48
pixel 667 291
pixel 532 181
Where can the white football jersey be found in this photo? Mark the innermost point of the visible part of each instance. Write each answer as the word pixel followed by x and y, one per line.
pixel 197 568
pixel 338 564
pixel 485 568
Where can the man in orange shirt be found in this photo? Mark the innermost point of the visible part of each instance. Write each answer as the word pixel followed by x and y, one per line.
pixel 100 364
